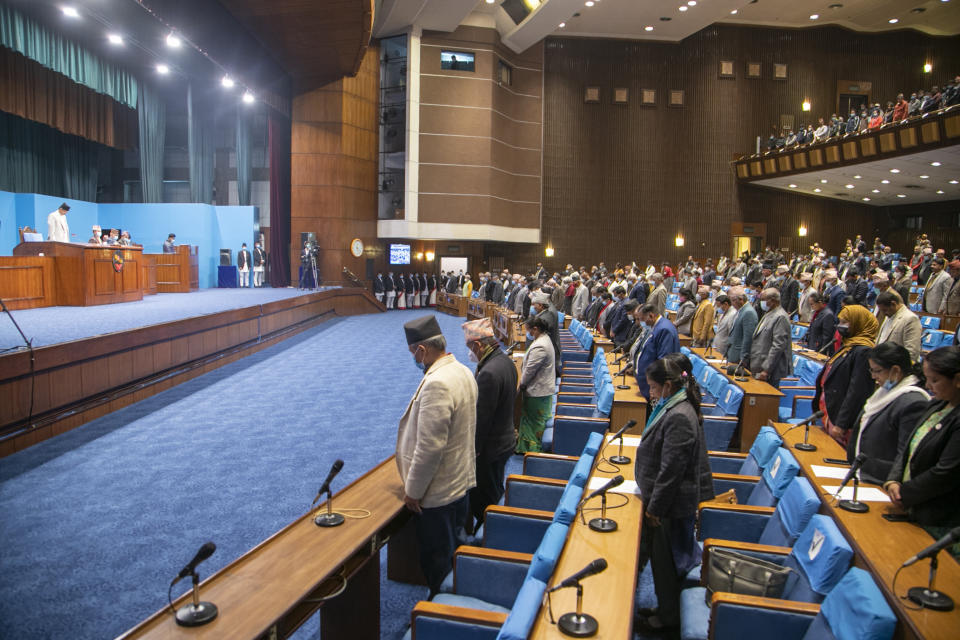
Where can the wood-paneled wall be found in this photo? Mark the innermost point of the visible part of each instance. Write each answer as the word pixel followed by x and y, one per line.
pixel 620 181
pixel 334 169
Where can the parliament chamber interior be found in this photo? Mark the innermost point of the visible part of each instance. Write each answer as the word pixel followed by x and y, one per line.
pixel 679 281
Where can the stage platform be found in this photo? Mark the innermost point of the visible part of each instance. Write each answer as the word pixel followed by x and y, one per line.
pixel 89 361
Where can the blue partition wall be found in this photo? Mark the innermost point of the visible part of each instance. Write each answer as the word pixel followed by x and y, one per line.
pixel 207 226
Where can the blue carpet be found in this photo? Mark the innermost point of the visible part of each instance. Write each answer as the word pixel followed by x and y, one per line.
pixel 53 325
pixel 97 521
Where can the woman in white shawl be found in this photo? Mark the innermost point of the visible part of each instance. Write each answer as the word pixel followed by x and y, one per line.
pixel 890 414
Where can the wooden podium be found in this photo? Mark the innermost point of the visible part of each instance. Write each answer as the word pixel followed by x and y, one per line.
pixel 44 274
pixel 177 272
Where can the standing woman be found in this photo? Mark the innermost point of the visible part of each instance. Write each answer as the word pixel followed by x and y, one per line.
pixel 673 474
pixel 925 477
pixel 538 384
pixel 891 413
pixel 685 311
pixel 844 384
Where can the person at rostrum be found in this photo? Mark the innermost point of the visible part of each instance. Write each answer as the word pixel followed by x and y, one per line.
pixel 495 437
pixel 844 383
pixel 673 474
pixel 890 414
pixel 538 382
pixel 925 476
pixel 435 447
pixel 58 230
pixel 169 245
pixel 770 349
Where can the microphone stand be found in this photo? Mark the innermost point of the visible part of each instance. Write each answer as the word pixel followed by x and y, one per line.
pixel 29 343
pixel 329 519
pixel 806 446
pixel 603 524
pixel 623 385
pixel 927 596
pixel 854 505
pixel 617 459
pixel 578 624
pixel 196 613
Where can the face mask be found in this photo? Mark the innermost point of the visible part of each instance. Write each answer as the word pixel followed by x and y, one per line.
pixel 419 364
pixel 764 305
pixel 889 384
pixel 843 331
pixel 473 357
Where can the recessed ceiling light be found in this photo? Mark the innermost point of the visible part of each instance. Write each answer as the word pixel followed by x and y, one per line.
pixel 940 191
pixel 857 177
pixel 924 177
pixel 894 170
pixel 491 1
pixel 70 12
pixel 247 97
pixel 849 186
pixel 884 182
pixel 163 69
pixel 648 28
pixel 866 199
pixel 900 195
pixel 227 81
pixel 876 191
pixel 734 12
pixel 893 20
pixel 934 164
pixel 563 24
pixel 683 8
pixel 692 3
pixel 793 186
pixel 113 38
pixel 589 3
pixel 953 182
pixel 823 181
pixel 814 16
pixel 817 190
pixel 173 41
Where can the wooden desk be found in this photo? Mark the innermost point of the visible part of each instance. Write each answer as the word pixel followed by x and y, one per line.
pixel 83 274
pixel 507 328
pixel 148 278
pixel 455 305
pixel 268 591
pixel 760 403
pixel 810 354
pixel 178 272
pixel 882 546
pixel 628 404
pixel 608 596
pixel 27 282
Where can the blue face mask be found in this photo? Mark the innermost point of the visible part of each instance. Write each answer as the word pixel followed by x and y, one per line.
pixel 889 384
pixel 419 364
pixel 764 305
pixel 530 337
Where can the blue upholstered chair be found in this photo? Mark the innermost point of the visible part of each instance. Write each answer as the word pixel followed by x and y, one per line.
pixel 768 489
pixel 762 450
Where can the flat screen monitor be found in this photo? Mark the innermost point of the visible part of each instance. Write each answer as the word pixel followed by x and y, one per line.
pixel 457 61
pixel 399 254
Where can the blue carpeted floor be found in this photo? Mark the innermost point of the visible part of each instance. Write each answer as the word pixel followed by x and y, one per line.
pixel 96 522
pixel 53 325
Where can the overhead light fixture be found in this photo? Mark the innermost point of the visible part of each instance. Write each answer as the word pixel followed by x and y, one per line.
pixel 900 195
pixel 648 28
pixel 806 105
pixel 548 252
pixel 835 5
pixel 893 20
pixel 894 170
pixel 857 177
pixel 491 1
pixel 802 231
pixel 227 82
pixel 927 68
pixel 940 192
pixel 692 3
pixel 683 8
pixel 734 12
pixel 430 256
pixel 817 190
pixel 563 24
pixel 876 191
pixel 678 241
pixel 113 38
pixel 173 41
pixel 823 181
pixel 815 16
pixel 865 199
pixel 589 3
pixel 247 97
pixel 849 186
pixel 884 182
pixel 953 182
pixel 793 186
pixel 934 164
pixel 163 69
pixel 70 12
pixel 924 177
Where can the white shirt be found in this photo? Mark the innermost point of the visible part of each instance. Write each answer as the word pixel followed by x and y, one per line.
pixel 57 228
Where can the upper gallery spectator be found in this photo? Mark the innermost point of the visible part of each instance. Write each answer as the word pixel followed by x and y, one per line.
pixel 821 131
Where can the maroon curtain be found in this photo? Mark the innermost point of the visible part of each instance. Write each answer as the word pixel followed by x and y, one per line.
pixel 279 142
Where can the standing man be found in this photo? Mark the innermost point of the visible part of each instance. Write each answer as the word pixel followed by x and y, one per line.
pixel 805 311
pixel 744 325
pixel 770 349
pixel 789 291
pixel 938 286
pixel 495 438
pixel 900 325
pixel 658 297
pixel 702 327
pixel 243 264
pixel 581 298
pixel 259 263
pixel 169 245
pixel 389 290
pixel 378 287
pixel 57 228
pixel 951 301
pixel 424 289
pixel 435 447
pixel 660 340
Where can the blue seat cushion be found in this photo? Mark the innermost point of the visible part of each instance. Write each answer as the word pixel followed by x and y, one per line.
pixel 567 509
pixel 546 556
pixel 525 610
pixel 797 506
pixel 455 600
pixel 780 472
pixel 856 610
pixel 765 446
pixel 823 554
pixel 694 614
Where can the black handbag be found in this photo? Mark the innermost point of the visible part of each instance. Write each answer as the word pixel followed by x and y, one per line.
pixel 733 572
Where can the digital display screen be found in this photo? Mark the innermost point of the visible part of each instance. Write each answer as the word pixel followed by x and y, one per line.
pixel 399 254
pixel 457 61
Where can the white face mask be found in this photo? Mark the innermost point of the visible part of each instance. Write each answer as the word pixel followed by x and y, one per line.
pixel 764 305
pixel 473 357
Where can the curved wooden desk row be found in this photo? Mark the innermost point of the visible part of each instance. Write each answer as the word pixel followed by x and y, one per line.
pixel 881 546
pixel 452 303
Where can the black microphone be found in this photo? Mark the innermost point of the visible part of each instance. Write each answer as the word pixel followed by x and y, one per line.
pixel 593 568
pixel 620 458
pixel 334 470
pixel 854 468
pixel 512 347
pixel 952 536
pixel 613 482
pixel 806 421
pixel 205 552
pixel 617 361
pixel 619 434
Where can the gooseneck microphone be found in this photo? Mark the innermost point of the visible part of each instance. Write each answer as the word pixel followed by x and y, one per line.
pixel 620 458
pixel 196 613
pixel 603 524
pixel 806 422
pixel 928 597
pixel 593 568
pixel 853 504
pixel 329 519
pixel 952 536
pixel 578 623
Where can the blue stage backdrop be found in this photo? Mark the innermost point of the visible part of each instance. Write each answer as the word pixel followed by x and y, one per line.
pixel 207 226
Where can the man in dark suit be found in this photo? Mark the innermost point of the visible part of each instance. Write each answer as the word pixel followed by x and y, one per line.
pixel 770 349
pixel 378 287
pixel 789 290
pixel 857 288
pixel 495 438
pixel 452 283
pixel 623 322
pixel 243 265
pixel 823 326
pixel 833 292
pixel 390 291
pixel 494 290
pixel 661 340
pixel 744 325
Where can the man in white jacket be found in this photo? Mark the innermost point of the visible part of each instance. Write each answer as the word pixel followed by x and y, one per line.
pixel 436 447
pixel 57 228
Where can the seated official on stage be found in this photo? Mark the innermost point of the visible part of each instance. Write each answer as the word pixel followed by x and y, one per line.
pixel 169 245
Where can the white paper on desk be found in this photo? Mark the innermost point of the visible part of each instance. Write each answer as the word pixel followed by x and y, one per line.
pixel 628 486
pixel 715 360
pixel 836 473
pixel 628 441
pixel 864 494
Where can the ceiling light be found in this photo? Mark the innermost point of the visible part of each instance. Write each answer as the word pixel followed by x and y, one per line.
pixel 823 181
pixel 894 170
pixel 940 191
pixel 856 177
pixel 876 191
pixel 900 195
pixel 692 3
pixel 849 186
pixel 953 182
pixel 866 199
pixel 648 28
pixel 806 105
pixel 113 38
pixel 227 82
pixel 814 16
pixel 589 3
pixel 173 41
pixel 884 182
pixel 817 190
pixel 934 164
pixel 563 24
pixel 927 68
pixel 490 1
pixel 247 97
pixel 893 20
pixel 684 8
pixel 924 177
pixel 163 69
pixel 548 252
pixel 734 12
pixel 70 12
pixel 793 186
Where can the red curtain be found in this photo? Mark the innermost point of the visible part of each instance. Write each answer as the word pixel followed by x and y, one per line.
pixel 33 92
pixel 279 147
